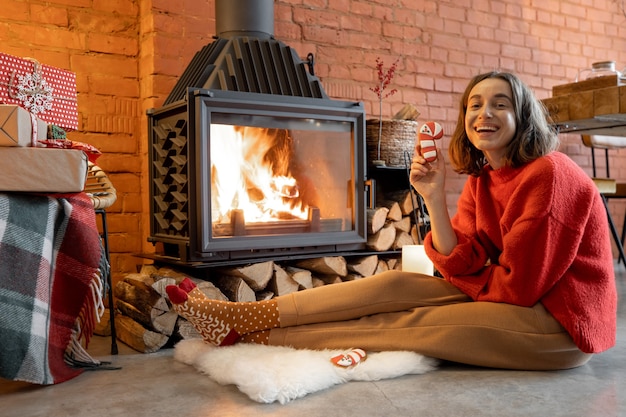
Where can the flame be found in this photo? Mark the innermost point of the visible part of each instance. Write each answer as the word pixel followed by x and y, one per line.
pixel 250 172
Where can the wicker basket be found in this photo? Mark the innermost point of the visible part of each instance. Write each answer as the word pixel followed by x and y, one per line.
pixel 398 137
pixel 98 186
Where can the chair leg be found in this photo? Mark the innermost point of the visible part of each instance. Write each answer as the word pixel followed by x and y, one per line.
pixel 623 232
pixel 105 238
pixel 616 237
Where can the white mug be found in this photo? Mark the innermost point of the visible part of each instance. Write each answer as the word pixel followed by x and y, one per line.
pixel 414 259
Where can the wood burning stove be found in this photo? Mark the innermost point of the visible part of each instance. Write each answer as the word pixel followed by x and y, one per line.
pixel 242 175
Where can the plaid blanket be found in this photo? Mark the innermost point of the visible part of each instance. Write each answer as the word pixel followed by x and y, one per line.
pixel 50 285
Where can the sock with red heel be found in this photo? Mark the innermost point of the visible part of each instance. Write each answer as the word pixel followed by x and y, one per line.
pixel 221 323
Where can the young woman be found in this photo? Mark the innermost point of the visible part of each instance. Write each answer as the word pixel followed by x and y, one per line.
pixel 527 262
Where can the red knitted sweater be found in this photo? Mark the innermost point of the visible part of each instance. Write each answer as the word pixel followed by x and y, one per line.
pixel 538 233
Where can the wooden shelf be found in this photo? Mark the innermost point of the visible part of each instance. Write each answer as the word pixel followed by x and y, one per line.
pixel 589 107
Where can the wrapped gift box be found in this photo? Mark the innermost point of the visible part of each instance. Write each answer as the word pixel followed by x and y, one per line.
pixel 16 126
pixel 45 91
pixel 44 170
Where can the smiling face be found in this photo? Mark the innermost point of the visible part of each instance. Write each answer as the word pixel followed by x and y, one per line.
pixel 490 119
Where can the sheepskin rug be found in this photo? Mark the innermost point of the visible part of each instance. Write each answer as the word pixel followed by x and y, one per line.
pixel 274 373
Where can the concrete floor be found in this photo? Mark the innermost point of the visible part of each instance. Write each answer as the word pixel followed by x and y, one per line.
pixel 155 385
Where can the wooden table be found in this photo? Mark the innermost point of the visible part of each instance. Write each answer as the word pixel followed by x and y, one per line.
pixel 593 107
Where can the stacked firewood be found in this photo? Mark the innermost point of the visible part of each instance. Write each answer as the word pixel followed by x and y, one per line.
pixel 391 225
pixel 144 318
pixel 146 321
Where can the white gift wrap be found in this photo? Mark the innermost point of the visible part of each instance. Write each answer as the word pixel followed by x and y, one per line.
pixel 16 126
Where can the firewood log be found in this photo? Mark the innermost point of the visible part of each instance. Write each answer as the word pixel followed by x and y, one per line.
pixel 407 112
pixel 403 224
pixel 146 279
pixel 210 290
pixel 404 197
pixel 186 330
pixel 256 275
pixel 160 285
pixel 166 272
pixel 163 322
pixel 141 296
pixel 353 277
pixel 303 277
pixel 148 269
pixel 331 279
pixel 234 288
pixel 140 316
pixel 264 295
pixel 394 214
pixel 394 263
pixel 138 337
pixel 138 293
pixel 329 265
pixel 376 219
pixel 381 267
pixel 318 282
pixel 402 238
pixel 144 305
pixel 364 266
pixel 283 283
pixel 414 235
pixel 383 239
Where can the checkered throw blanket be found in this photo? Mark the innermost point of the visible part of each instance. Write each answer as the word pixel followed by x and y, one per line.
pixel 51 265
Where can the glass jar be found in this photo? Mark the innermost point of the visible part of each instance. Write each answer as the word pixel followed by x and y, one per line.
pixel 598 69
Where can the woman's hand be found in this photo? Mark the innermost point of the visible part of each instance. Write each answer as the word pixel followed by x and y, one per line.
pixel 428 178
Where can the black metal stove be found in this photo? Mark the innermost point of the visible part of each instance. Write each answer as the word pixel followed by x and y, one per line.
pixel 248 156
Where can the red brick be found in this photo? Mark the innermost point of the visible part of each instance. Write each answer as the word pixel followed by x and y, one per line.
pixel 125 242
pixel 123 87
pixel 110 65
pixel 123 223
pixel 107 144
pixel 49 36
pixel 122 45
pixel 14 11
pixel 49 15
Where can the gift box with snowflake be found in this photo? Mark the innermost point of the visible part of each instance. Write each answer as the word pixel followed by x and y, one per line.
pixel 45 91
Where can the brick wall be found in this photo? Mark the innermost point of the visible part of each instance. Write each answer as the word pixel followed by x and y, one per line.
pixel 128 55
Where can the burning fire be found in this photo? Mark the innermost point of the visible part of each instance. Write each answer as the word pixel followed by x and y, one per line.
pixel 250 172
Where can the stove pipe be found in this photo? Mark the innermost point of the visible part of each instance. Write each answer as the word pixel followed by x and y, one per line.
pixel 253 18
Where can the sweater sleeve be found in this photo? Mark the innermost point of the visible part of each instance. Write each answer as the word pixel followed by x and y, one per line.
pixel 469 256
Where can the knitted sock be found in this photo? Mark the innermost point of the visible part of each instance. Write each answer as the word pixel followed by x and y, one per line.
pixel 191 289
pixel 185 289
pixel 222 322
pixel 260 338
pixel 179 294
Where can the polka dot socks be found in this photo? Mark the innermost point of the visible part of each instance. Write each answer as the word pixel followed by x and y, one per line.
pixel 260 338
pixel 223 323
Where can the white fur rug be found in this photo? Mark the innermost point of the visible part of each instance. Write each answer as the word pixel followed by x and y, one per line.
pixel 273 373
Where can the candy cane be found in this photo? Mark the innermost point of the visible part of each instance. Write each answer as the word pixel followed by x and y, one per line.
pixel 348 359
pixel 428 133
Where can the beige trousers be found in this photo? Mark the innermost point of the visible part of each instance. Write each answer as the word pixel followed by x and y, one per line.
pixel 407 311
